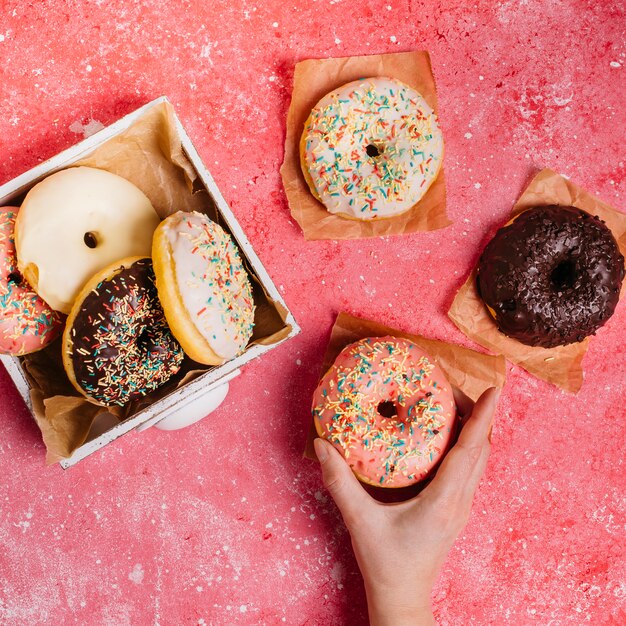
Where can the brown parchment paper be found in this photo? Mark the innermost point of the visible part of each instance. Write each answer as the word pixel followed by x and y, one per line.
pixel 560 366
pixel 150 155
pixel 313 79
pixel 466 369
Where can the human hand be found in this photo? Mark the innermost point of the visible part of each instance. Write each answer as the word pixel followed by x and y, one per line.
pixel 401 547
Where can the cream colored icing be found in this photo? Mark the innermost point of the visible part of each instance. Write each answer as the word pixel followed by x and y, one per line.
pixel 212 282
pixel 389 451
pixel 59 211
pixel 381 113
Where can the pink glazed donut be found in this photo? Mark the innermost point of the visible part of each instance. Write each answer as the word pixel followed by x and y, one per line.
pixel 27 323
pixel 388 408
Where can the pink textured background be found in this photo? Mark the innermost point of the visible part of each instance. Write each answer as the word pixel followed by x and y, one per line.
pixel 224 523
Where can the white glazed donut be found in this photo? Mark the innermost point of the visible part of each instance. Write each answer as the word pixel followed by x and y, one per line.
pixel 371 149
pixel 203 286
pixel 76 222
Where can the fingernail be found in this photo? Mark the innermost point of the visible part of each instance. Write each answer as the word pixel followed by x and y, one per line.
pixel 320 450
pixel 496 398
pixel 493 394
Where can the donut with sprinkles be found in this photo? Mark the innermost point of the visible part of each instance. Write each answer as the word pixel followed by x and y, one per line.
pixel 203 286
pixel 371 149
pixel 27 323
pixel 388 408
pixel 117 344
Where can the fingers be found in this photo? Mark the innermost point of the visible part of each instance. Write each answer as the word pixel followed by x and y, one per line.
pixel 349 496
pixel 478 426
pixel 464 404
pixel 461 470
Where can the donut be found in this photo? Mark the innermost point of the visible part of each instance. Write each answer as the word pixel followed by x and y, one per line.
pixel 73 224
pixel 117 346
pixel 27 323
pixel 371 149
pixel 552 276
pixel 388 408
pixel 203 287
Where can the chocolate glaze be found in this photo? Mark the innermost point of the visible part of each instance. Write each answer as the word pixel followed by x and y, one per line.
pixel 552 276
pixel 122 347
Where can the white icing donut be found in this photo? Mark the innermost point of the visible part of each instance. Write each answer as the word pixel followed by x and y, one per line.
pixel 76 222
pixel 371 149
pixel 203 287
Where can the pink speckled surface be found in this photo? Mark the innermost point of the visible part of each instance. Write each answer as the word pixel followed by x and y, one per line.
pixel 224 523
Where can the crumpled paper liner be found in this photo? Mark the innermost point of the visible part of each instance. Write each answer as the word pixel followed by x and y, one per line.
pixel 560 366
pixel 470 371
pixel 313 79
pixel 150 155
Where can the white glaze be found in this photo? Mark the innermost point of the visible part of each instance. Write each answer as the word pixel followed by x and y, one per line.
pixel 61 209
pixel 212 282
pixel 380 112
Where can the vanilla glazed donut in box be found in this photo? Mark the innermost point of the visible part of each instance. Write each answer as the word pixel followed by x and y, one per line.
pixel 120 364
pixel 203 287
pixel 73 224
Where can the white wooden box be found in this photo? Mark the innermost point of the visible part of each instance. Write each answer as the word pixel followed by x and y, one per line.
pixel 199 397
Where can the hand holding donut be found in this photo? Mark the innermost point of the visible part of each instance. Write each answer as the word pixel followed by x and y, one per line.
pixel 401 547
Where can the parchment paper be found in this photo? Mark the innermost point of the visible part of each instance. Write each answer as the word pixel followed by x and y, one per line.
pixel 150 155
pixel 466 369
pixel 560 366
pixel 313 79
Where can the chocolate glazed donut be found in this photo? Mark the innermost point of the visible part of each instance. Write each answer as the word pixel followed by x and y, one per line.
pixel 552 276
pixel 118 346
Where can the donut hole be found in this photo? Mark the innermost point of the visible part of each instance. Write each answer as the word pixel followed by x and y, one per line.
pixel 372 150
pixel 15 278
pixel 145 341
pixel 564 274
pixel 387 409
pixel 91 240
pixel 509 305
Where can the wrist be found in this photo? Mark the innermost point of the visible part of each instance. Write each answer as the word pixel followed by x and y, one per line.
pixel 386 609
pixel 400 615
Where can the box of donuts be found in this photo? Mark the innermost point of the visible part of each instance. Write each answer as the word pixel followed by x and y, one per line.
pixel 129 293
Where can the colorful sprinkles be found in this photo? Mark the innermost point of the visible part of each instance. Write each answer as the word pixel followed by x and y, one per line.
pixel 27 323
pixel 390 451
pixel 212 281
pixel 372 148
pixel 121 345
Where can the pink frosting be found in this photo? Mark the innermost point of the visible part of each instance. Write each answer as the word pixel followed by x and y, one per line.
pixel 390 451
pixel 27 323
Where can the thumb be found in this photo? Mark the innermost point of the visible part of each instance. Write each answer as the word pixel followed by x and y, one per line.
pixel 349 496
pixel 462 468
